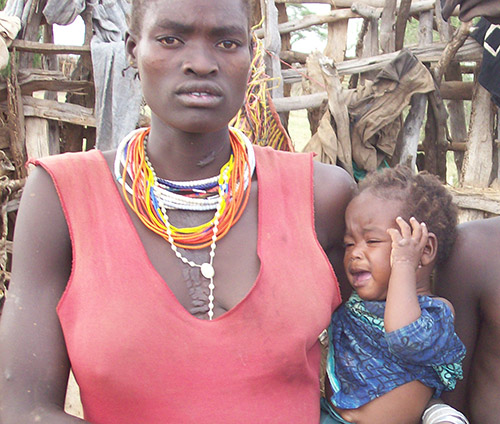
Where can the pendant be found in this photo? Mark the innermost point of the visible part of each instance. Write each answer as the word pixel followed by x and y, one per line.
pixel 207 270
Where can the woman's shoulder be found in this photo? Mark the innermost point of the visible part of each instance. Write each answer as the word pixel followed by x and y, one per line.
pixel 334 179
pixel 333 189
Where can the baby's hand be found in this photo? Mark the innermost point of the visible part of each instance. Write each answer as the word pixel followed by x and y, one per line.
pixel 408 243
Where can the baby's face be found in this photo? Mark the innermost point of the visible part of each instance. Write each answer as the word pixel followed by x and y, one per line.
pixel 368 245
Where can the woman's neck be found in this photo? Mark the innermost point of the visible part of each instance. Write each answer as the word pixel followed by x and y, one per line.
pixel 178 155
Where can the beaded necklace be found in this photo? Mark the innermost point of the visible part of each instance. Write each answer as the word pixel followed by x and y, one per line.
pixel 197 195
pixel 150 197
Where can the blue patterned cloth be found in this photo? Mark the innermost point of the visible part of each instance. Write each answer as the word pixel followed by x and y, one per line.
pixel 364 362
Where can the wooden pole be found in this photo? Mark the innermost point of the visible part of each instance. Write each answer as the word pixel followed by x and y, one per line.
pixel 456 107
pixel 478 159
pixel 337 40
pixel 406 151
pixel 401 21
pixel 286 45
pixel 37 136
pixel 272 44
pixel 388 27
pixel 15 119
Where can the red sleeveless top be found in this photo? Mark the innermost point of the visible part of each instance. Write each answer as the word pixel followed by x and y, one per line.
pixel 139 357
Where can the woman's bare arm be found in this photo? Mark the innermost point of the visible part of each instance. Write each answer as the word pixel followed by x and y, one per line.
pixel 34 363
pixel 333 189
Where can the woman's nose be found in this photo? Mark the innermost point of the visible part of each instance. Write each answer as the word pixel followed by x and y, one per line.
pixel 200 61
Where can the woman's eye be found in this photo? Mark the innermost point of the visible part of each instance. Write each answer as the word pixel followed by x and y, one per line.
pixel 228 44
pixel 373 241
pixel 170 41
pixel 348 244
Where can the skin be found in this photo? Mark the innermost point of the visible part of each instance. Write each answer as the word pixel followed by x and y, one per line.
pixel 193 68
pixel 470 280
pixel 387 258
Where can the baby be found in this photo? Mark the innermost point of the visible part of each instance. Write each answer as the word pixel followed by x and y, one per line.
pixel 392 344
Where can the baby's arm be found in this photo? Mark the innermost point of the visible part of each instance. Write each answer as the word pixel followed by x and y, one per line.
pixel 402 405
pixel 408 243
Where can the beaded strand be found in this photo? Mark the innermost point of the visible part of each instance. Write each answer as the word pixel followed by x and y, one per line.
pixel 198 195
pixel 150 197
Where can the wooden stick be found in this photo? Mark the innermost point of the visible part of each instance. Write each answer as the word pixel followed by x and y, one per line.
pixel 401 21
pixel 406 149
pixel 470 51
pixel 66 112
pixel 15 119
pixel 387 27
pixel 448 91
pixel 451 50
pixel 47 48
pixel 311 20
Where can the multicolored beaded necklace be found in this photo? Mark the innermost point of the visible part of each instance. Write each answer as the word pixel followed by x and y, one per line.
pixel 150 197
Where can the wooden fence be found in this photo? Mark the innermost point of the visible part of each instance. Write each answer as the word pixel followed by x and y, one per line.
pixel 471 131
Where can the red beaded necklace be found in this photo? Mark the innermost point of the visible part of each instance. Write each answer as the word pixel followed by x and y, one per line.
pixel 141 201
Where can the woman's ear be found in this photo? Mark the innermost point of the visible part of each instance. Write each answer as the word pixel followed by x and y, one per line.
pixel 130 49
pixel 430 251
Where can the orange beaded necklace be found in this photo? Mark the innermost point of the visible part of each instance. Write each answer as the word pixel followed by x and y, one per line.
pixel 232 191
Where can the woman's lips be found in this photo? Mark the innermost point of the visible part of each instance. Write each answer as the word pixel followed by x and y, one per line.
pixel 199 94
pixel 199 99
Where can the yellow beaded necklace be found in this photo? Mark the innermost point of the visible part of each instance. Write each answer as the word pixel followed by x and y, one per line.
pixel 232 192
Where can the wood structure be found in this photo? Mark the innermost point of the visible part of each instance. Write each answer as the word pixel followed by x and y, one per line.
pixel 48 111
pixel 453 59
pixel 45 109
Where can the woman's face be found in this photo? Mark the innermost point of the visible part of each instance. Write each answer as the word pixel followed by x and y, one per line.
pixel 193 58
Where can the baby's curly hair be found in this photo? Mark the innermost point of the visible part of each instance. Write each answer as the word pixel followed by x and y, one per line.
pixel 423 196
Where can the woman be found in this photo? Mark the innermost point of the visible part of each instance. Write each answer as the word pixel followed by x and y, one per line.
pixel 178 282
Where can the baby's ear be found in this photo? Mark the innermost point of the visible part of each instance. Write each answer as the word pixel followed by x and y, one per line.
pixel 430 250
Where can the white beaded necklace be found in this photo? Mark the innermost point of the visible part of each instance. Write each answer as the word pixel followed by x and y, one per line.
pixel 206 268
pixel 168 200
